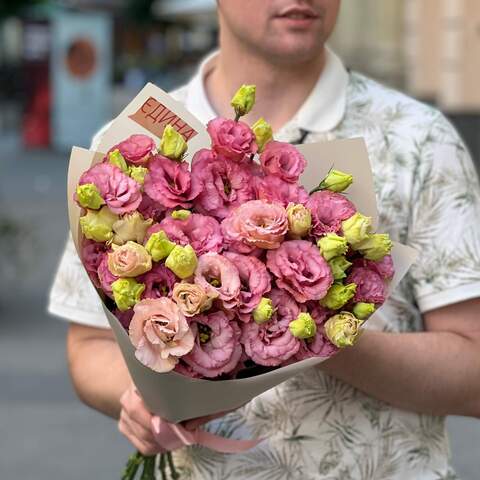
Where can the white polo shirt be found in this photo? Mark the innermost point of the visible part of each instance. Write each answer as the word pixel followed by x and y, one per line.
pixel 428 196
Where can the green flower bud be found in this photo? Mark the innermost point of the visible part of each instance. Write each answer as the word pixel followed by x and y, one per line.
pixel 127 292
pixel 263 133
pixel 376 246
pixel 97 225
pixel 159 246
pixel 138 173
pixel 172 145
pixel 88 196
pixel 338 265
pixel 263 311
pixel 116 158
pixel 132 226
pixel 363 310
pixel 338 295
pixel 332 245
pixel 182 261
pixel 243 101
pixel 343 329
pixel 181 214
pixel 336 181
pixel 303 327
pixel 357 228
pixel 299 220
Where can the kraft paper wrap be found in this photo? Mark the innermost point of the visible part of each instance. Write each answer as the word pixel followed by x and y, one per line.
pixel 174 396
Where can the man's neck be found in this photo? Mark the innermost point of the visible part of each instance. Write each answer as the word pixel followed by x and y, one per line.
pixel 281 89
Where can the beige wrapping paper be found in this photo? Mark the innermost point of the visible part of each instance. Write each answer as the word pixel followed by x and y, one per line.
pixel 171 395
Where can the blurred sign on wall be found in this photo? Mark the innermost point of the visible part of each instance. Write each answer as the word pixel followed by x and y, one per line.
pixel 81 66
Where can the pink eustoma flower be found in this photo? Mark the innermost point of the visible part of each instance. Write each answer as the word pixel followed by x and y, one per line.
pixel 219 277
pixel 271 343
pixel 170 183
pixel 328 210
pixel 186 370
pixel 136 149
pixel 224 184
pixel 124 317
pixel 255 281
pixel 234 140
pixel 370 285
pixel 275 189
pixel 256 223
pixel 151 209
pixel 300 269
pixel 160 334
pixel 217 348
pixel 283 160
pixel 92 255
pixel 383 267
pixel 159 281
pixel 105 276
pixel 202 232
pixel 319 345
pixel 121 193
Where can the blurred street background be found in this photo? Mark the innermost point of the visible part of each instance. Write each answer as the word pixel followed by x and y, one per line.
pixel 68 66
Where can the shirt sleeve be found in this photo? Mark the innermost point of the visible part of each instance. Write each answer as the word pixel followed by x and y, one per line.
pixel 444 224
pixel 72 296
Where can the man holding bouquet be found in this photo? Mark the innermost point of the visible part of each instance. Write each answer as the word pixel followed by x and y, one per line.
pixel 376 410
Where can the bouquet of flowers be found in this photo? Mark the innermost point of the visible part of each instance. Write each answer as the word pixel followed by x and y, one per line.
pixel 226 268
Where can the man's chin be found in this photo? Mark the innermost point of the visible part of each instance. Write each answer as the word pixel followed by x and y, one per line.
pixel 294 54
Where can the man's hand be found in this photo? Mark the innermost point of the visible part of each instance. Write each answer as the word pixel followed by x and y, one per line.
pixel 136 424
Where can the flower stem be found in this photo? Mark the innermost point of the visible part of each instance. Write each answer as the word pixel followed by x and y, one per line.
pixel 148 468
pixel 237 117
pixel 162 466
pixel 132 466
pixel 173 470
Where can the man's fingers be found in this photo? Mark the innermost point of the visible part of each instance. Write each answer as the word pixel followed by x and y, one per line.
pixel 133 404
pixel 141 416
pixel 144 446
pixel 141 432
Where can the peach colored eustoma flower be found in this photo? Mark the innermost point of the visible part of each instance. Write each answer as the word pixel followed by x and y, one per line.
pixel 191 298
pixel 129 260
pixel 219 277
pixel 257 223
pixel 160 333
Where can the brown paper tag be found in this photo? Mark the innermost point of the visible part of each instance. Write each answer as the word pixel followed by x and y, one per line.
pixel 155 116
pixel 148 113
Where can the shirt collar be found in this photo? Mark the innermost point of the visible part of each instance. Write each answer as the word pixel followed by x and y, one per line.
pixel 322 111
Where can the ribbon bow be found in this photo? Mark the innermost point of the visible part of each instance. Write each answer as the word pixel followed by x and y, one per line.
pixel 171 436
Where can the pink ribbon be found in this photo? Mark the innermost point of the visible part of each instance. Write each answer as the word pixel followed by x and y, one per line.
pixel 171 436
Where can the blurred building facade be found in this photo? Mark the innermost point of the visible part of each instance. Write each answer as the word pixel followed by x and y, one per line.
pixel 427 48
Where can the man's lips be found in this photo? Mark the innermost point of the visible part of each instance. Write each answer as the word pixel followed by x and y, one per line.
pixel 298 13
